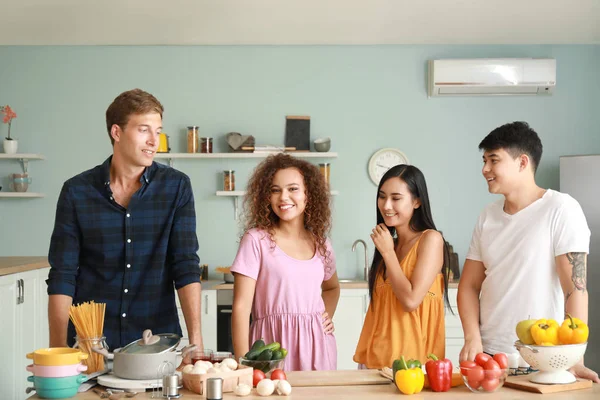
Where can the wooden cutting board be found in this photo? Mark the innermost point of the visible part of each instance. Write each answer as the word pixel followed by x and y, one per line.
pixel 522 383
pixel 336 378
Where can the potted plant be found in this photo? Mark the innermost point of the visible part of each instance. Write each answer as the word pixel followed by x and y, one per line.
pixel 10 144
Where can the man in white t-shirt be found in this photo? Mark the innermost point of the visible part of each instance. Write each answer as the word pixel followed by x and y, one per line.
pixel 528 253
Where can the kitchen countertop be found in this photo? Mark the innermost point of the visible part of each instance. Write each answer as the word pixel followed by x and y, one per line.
pixel 385 391
pixel 220 285
pixel 14 265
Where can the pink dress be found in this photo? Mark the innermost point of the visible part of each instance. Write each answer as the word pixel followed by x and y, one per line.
pixel 288 306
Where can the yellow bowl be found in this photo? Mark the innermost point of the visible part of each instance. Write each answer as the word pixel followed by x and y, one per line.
pixel 57 356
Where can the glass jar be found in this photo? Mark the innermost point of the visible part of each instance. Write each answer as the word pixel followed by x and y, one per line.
pixel 192 139
pixel 325 170
pixel 95 362
pixel 229 180
pixel 206 145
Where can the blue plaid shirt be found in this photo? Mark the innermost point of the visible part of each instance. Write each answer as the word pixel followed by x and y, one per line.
pixel 130 258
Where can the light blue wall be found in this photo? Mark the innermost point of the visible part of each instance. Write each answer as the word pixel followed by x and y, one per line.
pixel 363 97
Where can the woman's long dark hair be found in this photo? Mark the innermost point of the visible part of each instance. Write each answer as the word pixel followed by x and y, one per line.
pixel 419 222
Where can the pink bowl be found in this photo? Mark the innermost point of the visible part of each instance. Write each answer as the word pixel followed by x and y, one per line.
pixel 56 371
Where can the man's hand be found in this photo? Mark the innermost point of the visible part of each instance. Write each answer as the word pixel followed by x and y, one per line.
pixel 470 350
pixel 581 371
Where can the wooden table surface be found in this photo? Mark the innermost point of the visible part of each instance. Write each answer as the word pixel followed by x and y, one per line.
pixel 381 391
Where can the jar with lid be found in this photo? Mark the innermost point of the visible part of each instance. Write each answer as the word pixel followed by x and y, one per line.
pixel 325 170
pixel 229 180
pixel 192 139
pixel 206 145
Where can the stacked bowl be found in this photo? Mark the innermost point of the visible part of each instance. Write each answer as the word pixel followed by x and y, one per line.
pixel 57 372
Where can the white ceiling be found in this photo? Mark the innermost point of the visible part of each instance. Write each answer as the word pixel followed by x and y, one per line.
pixel 212 22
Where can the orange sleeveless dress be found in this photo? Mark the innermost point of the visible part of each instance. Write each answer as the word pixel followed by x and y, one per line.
pixel 390 332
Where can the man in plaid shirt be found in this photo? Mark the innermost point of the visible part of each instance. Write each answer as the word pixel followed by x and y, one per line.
pixel 125 235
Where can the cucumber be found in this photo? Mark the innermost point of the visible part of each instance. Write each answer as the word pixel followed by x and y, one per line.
pixel 277 355
pixel 266 355
pixel 253 354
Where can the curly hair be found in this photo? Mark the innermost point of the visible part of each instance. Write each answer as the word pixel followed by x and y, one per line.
pixel 317 214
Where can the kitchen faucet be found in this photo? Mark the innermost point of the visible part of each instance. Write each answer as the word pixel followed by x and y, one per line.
pixel 366 266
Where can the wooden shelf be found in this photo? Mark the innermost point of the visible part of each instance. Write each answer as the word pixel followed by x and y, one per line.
pixel 299 154
pixel 22 156
pixel 239 193
pixel 236 194
pixel 21 194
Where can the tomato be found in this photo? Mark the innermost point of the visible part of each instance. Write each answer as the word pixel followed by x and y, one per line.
pixel 257 376
pixel 502 360
pixel 278 374
pixel 474 384
pixel 492 369
pixel 466 365
pixel 489 385
pixel 476 374
pixel 482 358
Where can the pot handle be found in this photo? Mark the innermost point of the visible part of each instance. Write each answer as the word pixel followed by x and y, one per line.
pixel 187 349
pixel 148 338
pixel 104 352
pixel 30 356
pixel 30 389
pixel 29 368
pixel 30 378
pixel 82 368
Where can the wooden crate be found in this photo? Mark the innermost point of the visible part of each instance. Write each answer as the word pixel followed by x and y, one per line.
pixel 197 383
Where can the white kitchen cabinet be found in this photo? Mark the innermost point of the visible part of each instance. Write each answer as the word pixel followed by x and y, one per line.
pixel 348 321
pixel 43 339
pixel 208 320
pixel 19 313
pixel 454 332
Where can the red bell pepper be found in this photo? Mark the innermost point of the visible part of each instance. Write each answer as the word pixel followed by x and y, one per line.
pixel 439 373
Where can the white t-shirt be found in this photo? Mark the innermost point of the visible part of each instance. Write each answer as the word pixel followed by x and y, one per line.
pixel 518 252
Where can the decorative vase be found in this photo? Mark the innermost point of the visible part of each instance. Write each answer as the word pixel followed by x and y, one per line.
pixel 10 146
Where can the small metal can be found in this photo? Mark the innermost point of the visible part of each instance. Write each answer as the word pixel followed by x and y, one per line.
pixel 214 389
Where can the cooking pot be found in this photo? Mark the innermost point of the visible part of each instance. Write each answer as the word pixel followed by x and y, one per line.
pixel 163 143
pixel 142 358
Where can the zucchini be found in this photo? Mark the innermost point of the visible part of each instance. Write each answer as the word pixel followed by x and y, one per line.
pixel 253 354
pixel 266 355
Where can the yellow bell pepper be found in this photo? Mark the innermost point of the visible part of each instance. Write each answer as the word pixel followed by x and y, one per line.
pixel 573 331
pixel 409 380
pixel 545 332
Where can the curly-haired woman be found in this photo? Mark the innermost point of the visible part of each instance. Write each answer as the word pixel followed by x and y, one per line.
pixel 285 267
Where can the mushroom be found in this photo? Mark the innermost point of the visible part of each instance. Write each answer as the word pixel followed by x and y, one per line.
pixel 242 390
pixel 284 388
pixel 265 387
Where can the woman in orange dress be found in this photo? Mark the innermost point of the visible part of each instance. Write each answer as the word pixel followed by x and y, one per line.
pixel 408 277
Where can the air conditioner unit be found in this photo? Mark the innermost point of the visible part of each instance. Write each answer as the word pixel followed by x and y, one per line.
pixel 503 76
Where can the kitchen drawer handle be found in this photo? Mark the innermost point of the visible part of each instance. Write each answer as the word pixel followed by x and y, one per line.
pixel 22 291
pixel 18 291
pixel 226 311
pixel 206 304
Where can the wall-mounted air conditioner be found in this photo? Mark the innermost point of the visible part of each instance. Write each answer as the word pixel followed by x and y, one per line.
pixel 502 76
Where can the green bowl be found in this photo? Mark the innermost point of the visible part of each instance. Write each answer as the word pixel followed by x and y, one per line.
pixel 67 382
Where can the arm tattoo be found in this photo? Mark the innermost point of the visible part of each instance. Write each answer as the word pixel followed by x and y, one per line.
pixel 577 260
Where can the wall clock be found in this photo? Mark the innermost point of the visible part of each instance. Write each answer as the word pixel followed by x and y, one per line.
pixel 384 159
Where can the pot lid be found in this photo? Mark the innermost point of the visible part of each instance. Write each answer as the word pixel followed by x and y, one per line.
pixel 152 344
